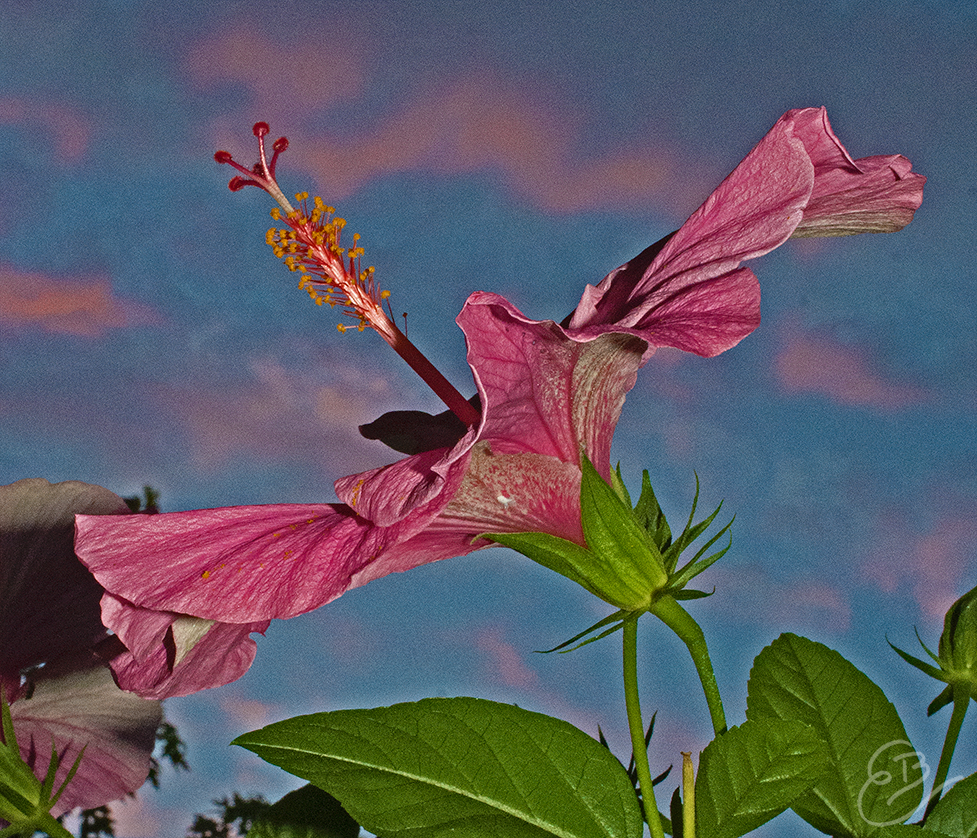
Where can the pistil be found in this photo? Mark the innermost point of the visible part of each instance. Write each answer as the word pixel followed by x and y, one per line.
pixel 309 244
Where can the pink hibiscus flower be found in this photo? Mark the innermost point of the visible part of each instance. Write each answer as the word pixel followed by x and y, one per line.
pixel 60 692
pixel 546 392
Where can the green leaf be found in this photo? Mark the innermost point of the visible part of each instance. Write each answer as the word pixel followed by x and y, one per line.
pixel 954 814
pixel 906 830
pixel 753 772
pixel 308 812
pixel 875 776
pixel 457 766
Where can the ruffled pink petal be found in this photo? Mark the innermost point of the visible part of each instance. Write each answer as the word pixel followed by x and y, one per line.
pixel 689 291
pixel 546 390
pixel 85 708
pixel 755 209
pixel 869 195
pixel 48 600
pixel 234 565
pixel 171 654
pixel 413 488
pixel 515 493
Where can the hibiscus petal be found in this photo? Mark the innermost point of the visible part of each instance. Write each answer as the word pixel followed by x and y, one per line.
pixel 409 492
pixel 160 663
pixel 755 209
pixel 545 390
pixel 236 564
pixel 86 709
pixel 688 290
pixel 48 600
pixel 869 195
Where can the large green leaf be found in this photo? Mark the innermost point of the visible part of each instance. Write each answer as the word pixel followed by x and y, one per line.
pixel 459 766
pixel 956 813
pixel 907 830
pixel 308 812
pixel 875 777
pixel 753 772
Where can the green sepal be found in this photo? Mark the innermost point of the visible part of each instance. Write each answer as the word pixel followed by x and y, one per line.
pixel 612 531
pixel 650 516
pixel 562 556
pixel 922 666
pixel 25 801
pixel 941 701
pixel 621 564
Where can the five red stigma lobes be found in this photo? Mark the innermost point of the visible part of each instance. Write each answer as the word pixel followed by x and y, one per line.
pixel 310 243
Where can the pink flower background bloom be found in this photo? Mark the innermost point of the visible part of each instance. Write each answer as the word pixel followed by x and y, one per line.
pixel 60 691
pixel 547 392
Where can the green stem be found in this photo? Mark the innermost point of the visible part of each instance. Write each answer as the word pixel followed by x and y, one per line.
pixel 688 796
pixel 678 620
pixel 961 700
pixel 636 726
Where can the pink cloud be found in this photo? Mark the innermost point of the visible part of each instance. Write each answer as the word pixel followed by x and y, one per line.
pixel 485 124
pixel 136 817
pixel 936 566
pixel 281 415
pixel 85 307
pixel 67 127
pixel 247 713
pixel 749 593
pixel 503 660
pixel 324 68
pixel 811 363
pixel 482 122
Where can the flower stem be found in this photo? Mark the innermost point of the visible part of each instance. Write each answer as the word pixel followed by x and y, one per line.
pixel 961 700
pixel 636 727
pixel 443 388
pixel 688 796
pixel 678 620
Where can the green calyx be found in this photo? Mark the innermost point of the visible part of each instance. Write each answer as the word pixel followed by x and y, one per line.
pixel 26 801
pixel 630 559
pixel 956 663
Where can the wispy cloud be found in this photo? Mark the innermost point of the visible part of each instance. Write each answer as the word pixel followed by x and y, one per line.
pixel 503 660
pixel 247 713
pixel 813 363
pixel 751 595
pixel 932 566
pixel 521 132
pixel 66 126
pixel 312 70
pixel 82 306
pixel 280 415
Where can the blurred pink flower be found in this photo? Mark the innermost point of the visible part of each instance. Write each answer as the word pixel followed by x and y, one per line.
pixel 60 691
pixel 546 391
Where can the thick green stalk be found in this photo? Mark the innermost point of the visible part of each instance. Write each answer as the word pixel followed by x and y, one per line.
pixel 961 700
pixel 688 796
pixel 636 726
pixel 678 620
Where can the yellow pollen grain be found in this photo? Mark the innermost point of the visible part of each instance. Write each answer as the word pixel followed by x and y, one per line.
pixel 205 575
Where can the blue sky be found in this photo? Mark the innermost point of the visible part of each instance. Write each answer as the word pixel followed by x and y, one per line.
pixel 147 335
